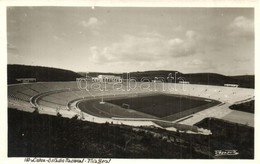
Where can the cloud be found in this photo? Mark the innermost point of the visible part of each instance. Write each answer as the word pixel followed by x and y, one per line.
pixel 93 21
pixel 13 52
pixel 187 47
pixel 11 47
pixel 175 42
pixel 241 27
pixel 146 47
pixel 178 28
pixel 190 34
pixel 202 64
pixel 99 55
pixel 93 24
pixel 95 57
pixel 194 62
pixel 12 21
pixel 57 38
pixel 152 34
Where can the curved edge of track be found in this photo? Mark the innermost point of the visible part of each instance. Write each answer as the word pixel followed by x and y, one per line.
pixel 137 122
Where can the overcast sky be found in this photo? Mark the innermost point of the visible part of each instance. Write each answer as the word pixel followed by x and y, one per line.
pixel 189 40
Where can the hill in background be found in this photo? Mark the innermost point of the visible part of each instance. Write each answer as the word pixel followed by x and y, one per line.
pixel 46 74
pixel 43 74
pixel 245 81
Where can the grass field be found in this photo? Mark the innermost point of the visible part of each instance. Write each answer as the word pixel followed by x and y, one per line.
pixel 160 105
pixel 153 106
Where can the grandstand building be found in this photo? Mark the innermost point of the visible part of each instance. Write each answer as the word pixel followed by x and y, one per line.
pixel 107 79
pixel 184 82
pixel 26 80
pixel 231 85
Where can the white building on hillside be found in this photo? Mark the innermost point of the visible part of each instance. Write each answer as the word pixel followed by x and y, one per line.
pixel 184 82
pixel 231 85
pixel 26 80
pixel 107 79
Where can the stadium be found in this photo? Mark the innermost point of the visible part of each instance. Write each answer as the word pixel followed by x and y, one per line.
pixel 160 102
pixel 176 107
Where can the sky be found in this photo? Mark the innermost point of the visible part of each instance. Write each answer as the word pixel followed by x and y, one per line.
pixel 120 39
